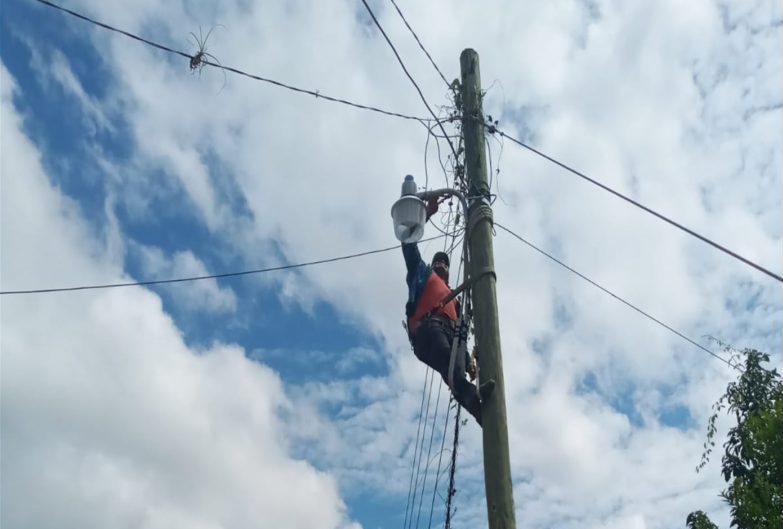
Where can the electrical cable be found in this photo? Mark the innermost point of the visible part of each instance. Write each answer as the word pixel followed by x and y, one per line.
pixel 421 453
pixel 615 296
pixel 314 93
pixel 452 471
pixel 415 452
pixel 430 133
pixel 213 276
pixel 429 452
pixel 492 129
pixel 440 459
pixel 410 77
pixel 399 12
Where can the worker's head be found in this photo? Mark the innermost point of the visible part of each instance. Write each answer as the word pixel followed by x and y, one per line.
pixel 440 265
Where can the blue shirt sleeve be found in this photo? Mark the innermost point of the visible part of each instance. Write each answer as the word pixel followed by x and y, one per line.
pixel 418 271
pixel 413 259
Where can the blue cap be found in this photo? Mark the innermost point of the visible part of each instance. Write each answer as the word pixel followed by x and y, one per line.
pixel 408 177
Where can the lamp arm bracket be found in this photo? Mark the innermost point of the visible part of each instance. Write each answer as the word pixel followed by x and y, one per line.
pixel 446 191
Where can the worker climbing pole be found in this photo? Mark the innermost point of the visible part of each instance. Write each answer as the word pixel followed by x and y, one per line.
pixel 432 315
pixel 438 327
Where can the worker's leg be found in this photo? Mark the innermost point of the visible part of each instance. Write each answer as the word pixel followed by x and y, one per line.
pixel 465 393
pixel 432 345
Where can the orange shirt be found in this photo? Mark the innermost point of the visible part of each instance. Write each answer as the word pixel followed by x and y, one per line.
pixel 435 289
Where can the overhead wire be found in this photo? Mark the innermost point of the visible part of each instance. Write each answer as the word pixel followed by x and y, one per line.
pixel 421 454
pixel 440 460
pixel 411 489
pixel 430 133
pixel 615 296
pixel 494 171
pixel 429 452
pixel 492 129
pixel 315 93
pixel 407 73
pixel 415 36
pixel 211 276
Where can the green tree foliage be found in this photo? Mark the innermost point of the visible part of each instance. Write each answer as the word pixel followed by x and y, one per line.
pixel 699 520
pixel 752 462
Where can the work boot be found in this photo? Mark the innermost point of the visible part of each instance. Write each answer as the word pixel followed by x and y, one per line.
pixel 485 390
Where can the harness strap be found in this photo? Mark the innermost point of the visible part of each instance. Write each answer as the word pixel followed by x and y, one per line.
pixel 455 345
pixel 457 291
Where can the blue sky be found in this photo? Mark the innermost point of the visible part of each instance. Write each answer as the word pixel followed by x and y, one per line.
pixel 291 399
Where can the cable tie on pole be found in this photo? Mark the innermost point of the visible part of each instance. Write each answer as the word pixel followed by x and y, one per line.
pixel 480 211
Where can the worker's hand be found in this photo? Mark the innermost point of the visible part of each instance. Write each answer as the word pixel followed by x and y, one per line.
pixel 471 369
pixel 432 207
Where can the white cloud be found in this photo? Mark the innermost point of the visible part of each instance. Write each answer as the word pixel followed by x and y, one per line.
pixel 108 419
pixel 204 295
pixel 57 68
pixel 656 100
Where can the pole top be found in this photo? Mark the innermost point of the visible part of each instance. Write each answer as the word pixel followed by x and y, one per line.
pixel 468 53
pixel 469 60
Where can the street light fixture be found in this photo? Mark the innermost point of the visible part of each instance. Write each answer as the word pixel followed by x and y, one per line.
pixel 409 212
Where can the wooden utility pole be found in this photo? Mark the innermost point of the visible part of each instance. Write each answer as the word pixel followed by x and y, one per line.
pixel 497 468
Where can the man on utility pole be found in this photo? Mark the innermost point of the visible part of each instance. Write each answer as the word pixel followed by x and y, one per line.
pixel 497 468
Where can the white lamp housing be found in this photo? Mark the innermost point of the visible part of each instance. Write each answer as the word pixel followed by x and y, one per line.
pixel 409 215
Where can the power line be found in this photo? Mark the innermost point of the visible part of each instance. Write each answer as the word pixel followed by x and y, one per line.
pixel 416 454
pixel 492 129
pixel 213 276
pixel 429 450
pixel 420 44
pixel 315 93
pixel 615 296
pixel 440 459
pixel 410 77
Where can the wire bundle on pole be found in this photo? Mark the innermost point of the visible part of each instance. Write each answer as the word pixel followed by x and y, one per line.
pixel 452 491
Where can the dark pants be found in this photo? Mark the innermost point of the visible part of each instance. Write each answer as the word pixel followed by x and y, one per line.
pixel 432 345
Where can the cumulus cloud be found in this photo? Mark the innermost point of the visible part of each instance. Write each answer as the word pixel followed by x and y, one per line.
pixel 674 105
pixel 204 295
pixel 108 419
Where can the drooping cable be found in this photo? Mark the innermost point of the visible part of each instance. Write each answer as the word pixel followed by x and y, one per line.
pixel 407 73
pixel 415 452
pixel 314 93
pixel 212 276
pixel 429 452
pixel 421 453
pixel 440 459
pixel 615 296
pixel 492 129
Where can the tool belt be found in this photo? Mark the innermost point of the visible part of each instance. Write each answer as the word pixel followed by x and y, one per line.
pixel 431 319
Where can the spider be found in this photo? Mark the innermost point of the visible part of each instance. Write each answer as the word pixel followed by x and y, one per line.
pixel 199 59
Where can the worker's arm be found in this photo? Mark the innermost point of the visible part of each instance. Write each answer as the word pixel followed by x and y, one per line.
pixel 413 261
pixel 417 268
pixel 412 257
